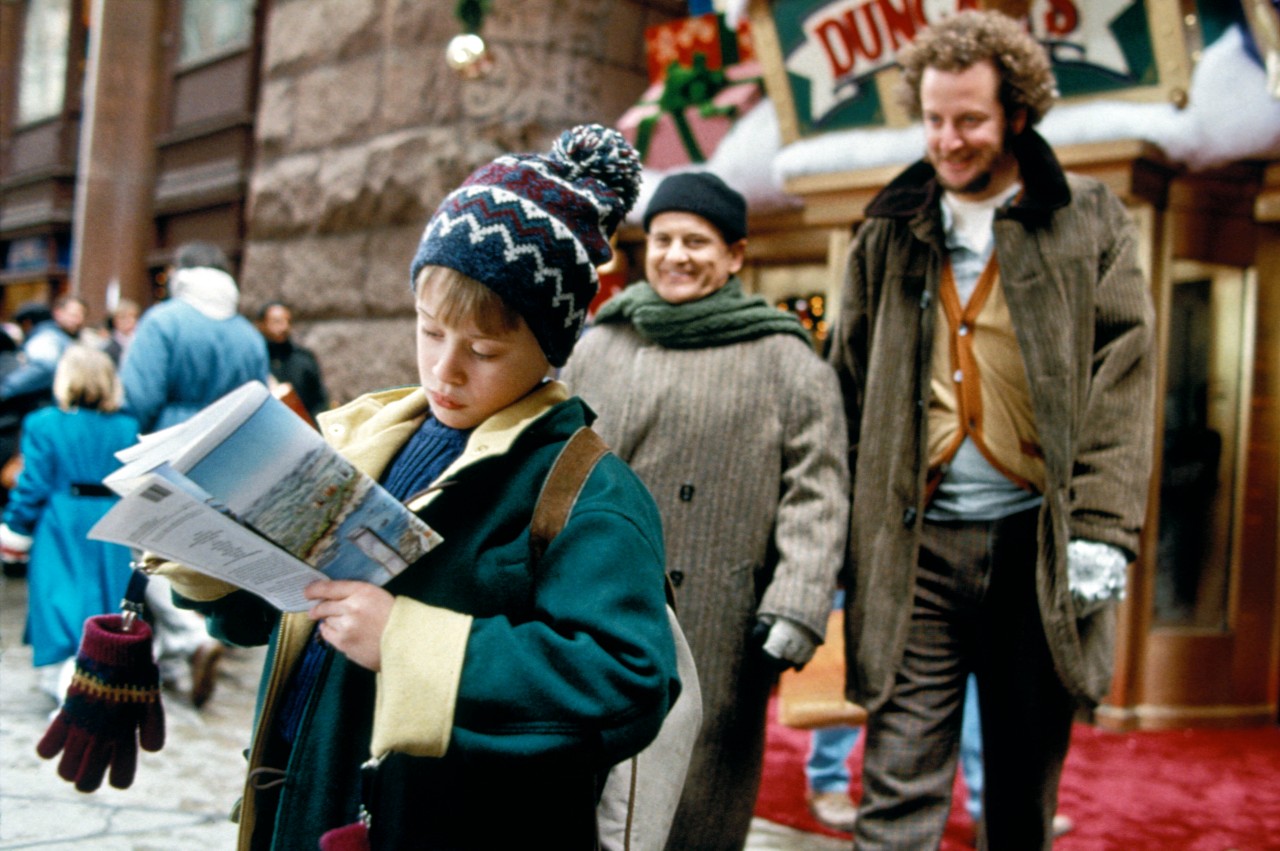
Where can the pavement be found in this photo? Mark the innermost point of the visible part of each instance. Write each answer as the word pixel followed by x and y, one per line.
pixel 182 795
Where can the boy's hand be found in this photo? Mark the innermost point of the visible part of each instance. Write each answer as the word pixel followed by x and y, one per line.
pixel 353 616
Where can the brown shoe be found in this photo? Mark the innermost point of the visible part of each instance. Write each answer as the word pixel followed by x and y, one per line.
pixel 204 671
pixel 834 810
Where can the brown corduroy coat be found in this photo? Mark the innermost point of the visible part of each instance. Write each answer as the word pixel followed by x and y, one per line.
pixel 1079 303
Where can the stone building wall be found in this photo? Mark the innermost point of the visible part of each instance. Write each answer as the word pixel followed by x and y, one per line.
pixel 362 129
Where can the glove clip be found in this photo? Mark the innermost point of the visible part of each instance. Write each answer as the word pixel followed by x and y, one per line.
pixel 134 602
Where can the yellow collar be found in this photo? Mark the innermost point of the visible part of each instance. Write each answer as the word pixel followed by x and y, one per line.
pixel 370 430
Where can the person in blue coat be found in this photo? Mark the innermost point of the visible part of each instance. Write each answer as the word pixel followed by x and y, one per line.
pixel 67 450
pixel 195 347
pixel 188 352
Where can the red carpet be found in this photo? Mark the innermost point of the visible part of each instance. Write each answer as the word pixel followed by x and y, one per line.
pixel 1182 790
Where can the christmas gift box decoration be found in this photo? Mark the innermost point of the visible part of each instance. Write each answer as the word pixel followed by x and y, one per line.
pixel 684 118
pixel 708 35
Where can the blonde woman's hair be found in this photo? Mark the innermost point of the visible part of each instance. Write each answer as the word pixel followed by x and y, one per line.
pixel 460 299
pixel 86 378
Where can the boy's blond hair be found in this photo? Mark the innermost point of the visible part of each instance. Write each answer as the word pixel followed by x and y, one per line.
pixel 86 378
pixel 461 299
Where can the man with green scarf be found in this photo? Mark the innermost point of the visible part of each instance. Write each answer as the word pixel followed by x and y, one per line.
pixel 719 402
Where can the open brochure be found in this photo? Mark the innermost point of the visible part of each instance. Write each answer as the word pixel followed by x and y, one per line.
pixel 246 491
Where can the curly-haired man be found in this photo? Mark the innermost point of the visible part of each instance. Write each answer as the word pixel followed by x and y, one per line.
pixel 994 355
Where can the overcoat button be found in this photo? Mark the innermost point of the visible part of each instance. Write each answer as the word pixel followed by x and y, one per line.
pixel 909 517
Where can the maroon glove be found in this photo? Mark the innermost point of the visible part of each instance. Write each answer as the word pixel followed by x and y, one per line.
pixel 113 704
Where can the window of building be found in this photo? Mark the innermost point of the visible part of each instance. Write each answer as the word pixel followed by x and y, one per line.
pixel 42 81
pixel 212 28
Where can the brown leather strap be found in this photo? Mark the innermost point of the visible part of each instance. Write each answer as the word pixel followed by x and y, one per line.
pixel 560 491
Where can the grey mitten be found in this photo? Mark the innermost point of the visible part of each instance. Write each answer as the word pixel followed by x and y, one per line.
pixel 1096 574
pixel 791 644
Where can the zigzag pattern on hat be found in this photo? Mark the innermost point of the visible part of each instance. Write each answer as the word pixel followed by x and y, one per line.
pixel 484 214
pixel 512 211
pixel 537 182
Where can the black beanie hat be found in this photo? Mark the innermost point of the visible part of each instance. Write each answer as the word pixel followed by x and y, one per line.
pixel 704 194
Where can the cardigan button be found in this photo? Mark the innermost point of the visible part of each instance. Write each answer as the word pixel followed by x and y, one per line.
pixel 677 578
pixel 909 517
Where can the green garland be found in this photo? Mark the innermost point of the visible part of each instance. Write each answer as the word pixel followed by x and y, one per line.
pixel 684 88
pixel 471 13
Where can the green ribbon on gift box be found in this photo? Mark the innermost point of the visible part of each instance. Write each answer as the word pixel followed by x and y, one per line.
pixel 685 88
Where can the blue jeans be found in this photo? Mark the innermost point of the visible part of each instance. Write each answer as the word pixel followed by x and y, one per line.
pixel 827 768
pixel 971 750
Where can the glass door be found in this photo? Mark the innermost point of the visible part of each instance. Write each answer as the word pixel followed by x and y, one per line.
pixel 1207 369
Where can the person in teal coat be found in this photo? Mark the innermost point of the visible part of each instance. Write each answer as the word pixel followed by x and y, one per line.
pixel 492 688
pixel 67 450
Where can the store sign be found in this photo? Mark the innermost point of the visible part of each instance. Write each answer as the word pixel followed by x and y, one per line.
pixel 834 61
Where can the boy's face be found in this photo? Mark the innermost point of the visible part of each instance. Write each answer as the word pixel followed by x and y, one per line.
pixel 469 375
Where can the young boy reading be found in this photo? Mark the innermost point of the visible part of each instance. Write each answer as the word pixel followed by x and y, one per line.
pixel 493 689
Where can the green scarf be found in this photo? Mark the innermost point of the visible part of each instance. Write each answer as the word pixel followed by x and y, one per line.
pixel 726 316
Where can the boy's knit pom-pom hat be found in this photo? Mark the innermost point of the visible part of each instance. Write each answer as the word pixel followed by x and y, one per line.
pixel 534 227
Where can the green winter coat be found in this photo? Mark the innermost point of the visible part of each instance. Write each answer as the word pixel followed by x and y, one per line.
pixel 507 688
pixel 1079 304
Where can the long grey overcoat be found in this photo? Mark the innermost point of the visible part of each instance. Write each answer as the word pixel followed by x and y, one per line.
pixel 743 448
pixel 1079 303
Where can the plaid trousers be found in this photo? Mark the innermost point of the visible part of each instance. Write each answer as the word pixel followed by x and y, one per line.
pixel 975 609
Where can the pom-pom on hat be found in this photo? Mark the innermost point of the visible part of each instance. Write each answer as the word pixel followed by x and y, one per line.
pixel 705 194
pixel 534 227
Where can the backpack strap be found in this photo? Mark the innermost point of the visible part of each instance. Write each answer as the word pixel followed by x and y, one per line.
pixel 560 491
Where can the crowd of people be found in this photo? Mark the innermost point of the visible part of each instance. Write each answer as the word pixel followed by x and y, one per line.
pixel 71 396
pixel 966 467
